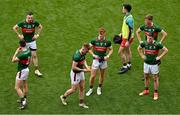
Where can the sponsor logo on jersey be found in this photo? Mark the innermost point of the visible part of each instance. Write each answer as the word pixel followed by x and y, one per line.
pixel 99 48
pixel 152 52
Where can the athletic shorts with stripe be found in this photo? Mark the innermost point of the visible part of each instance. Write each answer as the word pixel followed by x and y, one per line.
pixel 99 65
pixel 32 45
pixel 76 77
pixel 23 74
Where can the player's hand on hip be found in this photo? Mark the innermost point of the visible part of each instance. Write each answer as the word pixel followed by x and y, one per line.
pixel 21 37
pixel 95 56
pixel 35 36
pixel 106 58
pixel 158 58
pixel 143 57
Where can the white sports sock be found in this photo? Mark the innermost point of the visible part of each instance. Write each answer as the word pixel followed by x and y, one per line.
pixel 129 65
pixel 125 66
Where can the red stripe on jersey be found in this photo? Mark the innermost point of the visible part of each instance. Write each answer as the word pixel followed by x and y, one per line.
pixel 81 62
pixel 25 61
pixel 155 34
pixel 25 30
pixel 151 51
pixel 100 49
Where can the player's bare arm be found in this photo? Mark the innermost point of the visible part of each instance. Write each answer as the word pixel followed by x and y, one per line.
pixel 138 31
pixel 164 34
pixel 165 51
pixel 109 54
pixel 15 28
pixel 39 29
pixel 91 52
pixel 75 68
pixel 140 51
pixel 86 66
pixel 14 58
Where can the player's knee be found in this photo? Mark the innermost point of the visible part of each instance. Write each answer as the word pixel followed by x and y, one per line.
pixel 155 79
pixel 74 89
pixel 81 89
pixel 93 76
pixel 16 88
pixel 101 77
pixel 25 88
pixel 34 56
pixel 146 77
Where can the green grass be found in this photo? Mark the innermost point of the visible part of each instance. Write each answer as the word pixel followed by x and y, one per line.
pixel 69 23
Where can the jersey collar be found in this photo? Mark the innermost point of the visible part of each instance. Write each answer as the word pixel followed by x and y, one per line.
pixel 152 25
pixel 127 14
pixel 98 38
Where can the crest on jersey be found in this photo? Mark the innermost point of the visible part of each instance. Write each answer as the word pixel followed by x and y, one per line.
pixel 101 44
pixel 29 26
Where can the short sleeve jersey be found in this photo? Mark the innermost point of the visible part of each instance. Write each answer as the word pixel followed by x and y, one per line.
pixel 100 47
pixel 155 29
pixel 151 51
pixel 28 29
pixel 77 57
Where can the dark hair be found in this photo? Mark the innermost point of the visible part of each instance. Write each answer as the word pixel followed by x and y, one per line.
pixel 149 17
pixel 150 34
pixel 22 43
pixel 30 13
pixel 128 7
pixel 86 45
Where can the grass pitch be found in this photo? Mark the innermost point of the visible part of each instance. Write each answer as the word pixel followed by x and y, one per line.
pixel 69 23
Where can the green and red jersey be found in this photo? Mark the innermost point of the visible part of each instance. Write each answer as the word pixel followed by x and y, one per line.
pixel 155 29
pixel 80 59
pixel 151 51
pixel 28 29
pixel 100 46
pixel 24 59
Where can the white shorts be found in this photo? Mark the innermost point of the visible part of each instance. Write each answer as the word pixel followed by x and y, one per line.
pixel 23 74
pixel 151 69
pixel 99 65
pixel 32 45
pixel 76 77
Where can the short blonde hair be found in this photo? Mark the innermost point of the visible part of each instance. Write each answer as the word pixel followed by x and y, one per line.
pixel 149 17
pixel 86 45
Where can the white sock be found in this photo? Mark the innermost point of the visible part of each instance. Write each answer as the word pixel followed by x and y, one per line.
pixel 125 66
pixel 129 65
